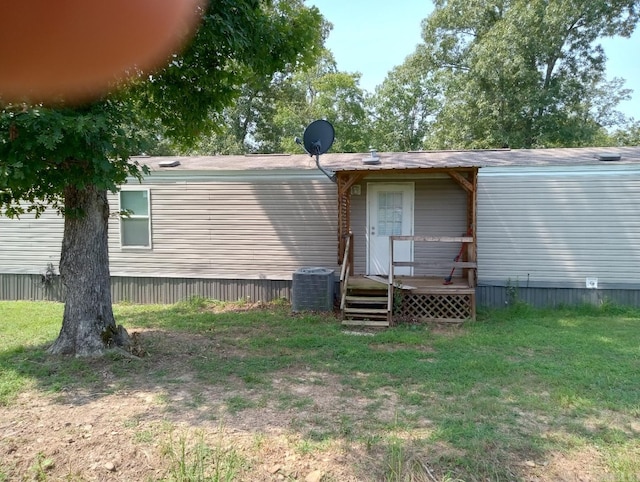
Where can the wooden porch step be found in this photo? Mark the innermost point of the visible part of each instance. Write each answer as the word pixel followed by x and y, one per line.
pixel 372 323
pixel 366 312
pixel 366 292
pixel 368 300
pixel 365 303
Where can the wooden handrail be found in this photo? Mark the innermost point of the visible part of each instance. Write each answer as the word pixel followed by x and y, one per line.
pixel 452 264
pixel 344 272
pixel 343 297
pixel 345 256
pixel 440 239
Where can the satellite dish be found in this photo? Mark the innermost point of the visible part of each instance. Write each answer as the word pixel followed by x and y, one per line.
pixel 318 137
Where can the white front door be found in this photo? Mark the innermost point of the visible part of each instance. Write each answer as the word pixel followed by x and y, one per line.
pixel 389 213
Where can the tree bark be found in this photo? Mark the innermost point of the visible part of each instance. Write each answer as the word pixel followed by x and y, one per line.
pixel 88 325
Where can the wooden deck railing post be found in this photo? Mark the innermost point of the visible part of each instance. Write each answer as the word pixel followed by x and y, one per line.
pixel 471 273
pixel 391 283
pixel 351 251
pixel 471 278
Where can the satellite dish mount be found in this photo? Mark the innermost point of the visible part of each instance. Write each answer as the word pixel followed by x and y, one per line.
pixel 317 139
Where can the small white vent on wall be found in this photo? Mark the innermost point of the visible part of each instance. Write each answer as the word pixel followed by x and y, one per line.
pixel 592 283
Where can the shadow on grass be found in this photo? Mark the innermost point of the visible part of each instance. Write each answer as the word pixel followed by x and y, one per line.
pixel 519 385
pixel 22 367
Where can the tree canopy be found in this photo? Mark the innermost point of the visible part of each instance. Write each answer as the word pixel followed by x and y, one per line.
pixel 237 43
pixel 489 74
pixel 523 73
pixel 404 106
pixel 272 110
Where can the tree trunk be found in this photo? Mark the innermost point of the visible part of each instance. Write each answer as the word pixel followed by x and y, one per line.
pixel 88 326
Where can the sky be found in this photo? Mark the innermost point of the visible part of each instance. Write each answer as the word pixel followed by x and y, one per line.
pixel 373 36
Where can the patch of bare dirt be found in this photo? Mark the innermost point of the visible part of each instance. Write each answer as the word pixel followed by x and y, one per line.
pixel 580 466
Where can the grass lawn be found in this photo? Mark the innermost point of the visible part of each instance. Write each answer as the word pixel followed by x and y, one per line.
pixel 522 394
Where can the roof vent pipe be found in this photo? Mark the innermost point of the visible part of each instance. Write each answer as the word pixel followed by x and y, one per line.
pixel 373 157
pixel 609 156
pixel 169 163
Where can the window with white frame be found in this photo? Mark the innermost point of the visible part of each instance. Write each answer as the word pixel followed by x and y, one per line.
pixel 135 219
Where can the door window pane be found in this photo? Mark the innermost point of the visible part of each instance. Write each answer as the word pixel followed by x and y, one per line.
pixel 390 213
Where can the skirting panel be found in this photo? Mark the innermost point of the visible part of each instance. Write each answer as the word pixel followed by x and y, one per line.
pixel 172 290
pixel 30 287
pixel 150 290
pixel 500 296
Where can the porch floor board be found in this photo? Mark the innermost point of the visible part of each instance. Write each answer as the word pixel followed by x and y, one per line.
pixel 436 286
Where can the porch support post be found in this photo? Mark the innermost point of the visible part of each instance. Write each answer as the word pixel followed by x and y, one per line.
pixel 460 179
pixel 469 182
pixel 472 203
pixel 345 181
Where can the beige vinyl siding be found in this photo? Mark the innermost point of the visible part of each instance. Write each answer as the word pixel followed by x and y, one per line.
pixel 262 229
pixel 551 227
pixel 28 245
pixel 439 210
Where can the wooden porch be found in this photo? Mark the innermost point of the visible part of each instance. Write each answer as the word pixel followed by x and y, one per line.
pixel 413 299
pixel 383 300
